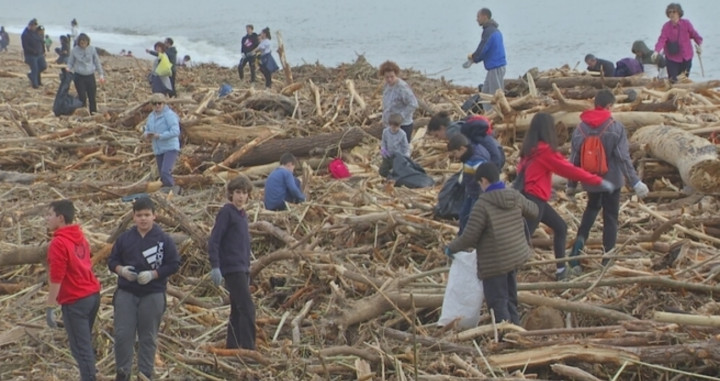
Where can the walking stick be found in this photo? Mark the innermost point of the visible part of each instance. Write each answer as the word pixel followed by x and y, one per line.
pixel 702 69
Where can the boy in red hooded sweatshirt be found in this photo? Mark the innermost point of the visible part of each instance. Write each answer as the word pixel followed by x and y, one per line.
pixel 599 122
pixel 73 284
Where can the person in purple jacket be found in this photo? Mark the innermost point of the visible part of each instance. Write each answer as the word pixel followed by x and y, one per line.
pixel 143 258
pixel 674 41
pixel 229 251
pixel 281 186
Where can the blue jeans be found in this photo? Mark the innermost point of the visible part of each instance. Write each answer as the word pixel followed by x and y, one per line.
pixel 464 214
pixel 165 164
pixel 37 66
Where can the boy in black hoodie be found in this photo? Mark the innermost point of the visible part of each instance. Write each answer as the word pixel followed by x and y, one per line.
pixel 143 258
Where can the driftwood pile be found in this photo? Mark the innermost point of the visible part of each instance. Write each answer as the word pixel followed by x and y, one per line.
pixel 349 284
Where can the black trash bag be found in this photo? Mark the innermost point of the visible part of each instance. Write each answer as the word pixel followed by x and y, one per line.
pixel 450 199
pixel 65 104
pixel 408 173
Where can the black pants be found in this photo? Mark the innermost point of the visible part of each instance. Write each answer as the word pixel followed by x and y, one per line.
pixel 501 296
pixel 86 88
pixel 241 326
pixel 79 318
pixel 610 204
pixel 408 128
pixel 676 68
pixel 173 91
pixel 241 67
pixel 268 76
pixel 548 216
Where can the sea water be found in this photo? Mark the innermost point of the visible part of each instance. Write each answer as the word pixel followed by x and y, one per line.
pixel 433 37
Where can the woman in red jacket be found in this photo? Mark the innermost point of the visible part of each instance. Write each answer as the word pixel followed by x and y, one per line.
pixel 539 159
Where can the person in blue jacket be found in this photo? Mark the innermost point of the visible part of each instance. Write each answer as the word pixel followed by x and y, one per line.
pixel 281 186
pixel 143 258
pixel 229 251
pixel 162 129
pixel 471 156
pixel 476 128
pixel 490 51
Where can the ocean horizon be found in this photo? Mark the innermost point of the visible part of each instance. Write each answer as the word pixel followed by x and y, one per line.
pixel 433 38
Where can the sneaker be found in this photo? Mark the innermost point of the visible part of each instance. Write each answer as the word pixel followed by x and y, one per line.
pixel 563 275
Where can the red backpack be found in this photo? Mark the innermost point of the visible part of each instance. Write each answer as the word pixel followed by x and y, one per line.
pixel 592 152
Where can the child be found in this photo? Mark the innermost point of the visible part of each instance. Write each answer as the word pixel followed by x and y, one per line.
pixel 496 230
pixel 72 284
pixel 539 159
pixel 394 142
pixel 614 140
pixel 471 155
pixel 230 252
pixel 143 258
pixel 477 128
pixel 281 186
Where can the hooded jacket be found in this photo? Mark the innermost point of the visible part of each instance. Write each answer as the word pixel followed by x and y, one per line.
pixel 69 264
pixel 32 43
pixel 681 32
pixel 85 61
pixel 496 229
pixel 644 54
pixel 615 143
pixel 478 129
pixel 542 163
pixel 167 126
pixel 491 49
pixel 155 251
pixel 474 156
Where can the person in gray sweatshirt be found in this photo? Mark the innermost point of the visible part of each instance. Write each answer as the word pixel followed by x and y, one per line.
pixel 84 62
pixel 394 142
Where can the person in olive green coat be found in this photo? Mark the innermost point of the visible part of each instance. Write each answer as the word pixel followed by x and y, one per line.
pixel 496 229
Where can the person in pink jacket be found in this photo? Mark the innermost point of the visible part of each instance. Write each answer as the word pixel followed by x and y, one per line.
pixel 674 41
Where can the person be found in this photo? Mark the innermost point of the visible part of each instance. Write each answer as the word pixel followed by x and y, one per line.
pixel 230 253
pixel 186 62
pixel 393 142
pixel 130 53
pixel 674 41
pixel 171 52
pixel 653 64
pixel 34 52
pixel 84 62
pixel 73 284
pixel 267 62
pixel 281 186
pixel 162 70
pixel 627 67
pixel 249 43
pixel 477 128
pixel 143 258
pixel 599 122
pixel 63 51
pixel 398 98
pixel 495 229
pixel 4 39
pixel 74 31
pixel 471 156
pixel 539 159
pixel 604 67
pixel 491 52
pixel 162 129
pixel 48 43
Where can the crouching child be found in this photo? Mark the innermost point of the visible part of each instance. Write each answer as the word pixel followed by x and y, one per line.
pixel 496 229
pixel 394 142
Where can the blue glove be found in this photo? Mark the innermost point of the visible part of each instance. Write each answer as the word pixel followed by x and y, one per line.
pixel 50 317
pixel 607 186
pixel 448 253
pixel 216 276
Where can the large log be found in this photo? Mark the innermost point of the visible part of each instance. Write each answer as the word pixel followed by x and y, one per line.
pixel 322 143
pixel 202 134
pixel 695 158
pixel 631 120
pixel 583 81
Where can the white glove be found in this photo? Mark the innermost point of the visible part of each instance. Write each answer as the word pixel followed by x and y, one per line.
pixel 128 273
pixel 50 317
pixel 654 56
pixel 698 49
pixel 216 276
pixel 469 63
pixel 641 190
pixel 607 186
pixel 145 277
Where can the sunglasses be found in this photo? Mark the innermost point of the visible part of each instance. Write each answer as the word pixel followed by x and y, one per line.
pixel 156 103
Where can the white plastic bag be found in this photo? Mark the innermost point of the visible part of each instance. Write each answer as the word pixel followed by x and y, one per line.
pixel 464 292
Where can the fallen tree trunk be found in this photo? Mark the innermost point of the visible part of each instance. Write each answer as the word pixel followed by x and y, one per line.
pixel 695 158
pixel 202 134
pixel 631 120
